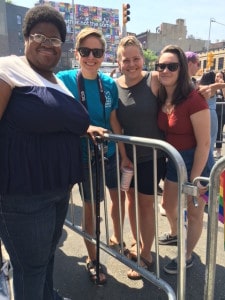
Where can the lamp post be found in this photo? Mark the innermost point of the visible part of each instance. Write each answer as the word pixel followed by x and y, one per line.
pixel 210 24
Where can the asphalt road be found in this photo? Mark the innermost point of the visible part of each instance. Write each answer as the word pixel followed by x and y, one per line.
pixel 72 279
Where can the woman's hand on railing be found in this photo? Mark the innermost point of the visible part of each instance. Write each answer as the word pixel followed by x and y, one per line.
pixel 94 131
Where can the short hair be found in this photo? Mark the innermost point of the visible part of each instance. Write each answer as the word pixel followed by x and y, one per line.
pixel 44 13
pixel 129 40
pixel 191 56
pixel 87 32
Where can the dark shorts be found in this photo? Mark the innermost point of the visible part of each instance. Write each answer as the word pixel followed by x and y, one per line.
pixel 145 176
pixel 110 179
pixel 188 157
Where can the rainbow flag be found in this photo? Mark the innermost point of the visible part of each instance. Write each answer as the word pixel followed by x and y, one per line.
pixel 222 198
pixel 222 201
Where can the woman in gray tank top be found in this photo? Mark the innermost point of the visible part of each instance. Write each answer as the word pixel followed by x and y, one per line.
pixel 137 114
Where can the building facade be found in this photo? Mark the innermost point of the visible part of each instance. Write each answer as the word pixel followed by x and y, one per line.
pixel 175 34
pixel 106 20
pixel 76 18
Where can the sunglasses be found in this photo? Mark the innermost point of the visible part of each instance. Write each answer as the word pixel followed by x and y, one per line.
pixel 41 38
pixel 172 67
pixel 85 52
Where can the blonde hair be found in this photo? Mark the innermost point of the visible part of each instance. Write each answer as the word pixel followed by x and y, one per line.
pixel 129 40
pixel 87 32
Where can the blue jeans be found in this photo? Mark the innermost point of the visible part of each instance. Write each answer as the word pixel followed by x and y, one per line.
pixel 214 128
pixel 188 157
pixel 30 228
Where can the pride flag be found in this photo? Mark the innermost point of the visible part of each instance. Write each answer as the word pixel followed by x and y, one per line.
pixel 221 200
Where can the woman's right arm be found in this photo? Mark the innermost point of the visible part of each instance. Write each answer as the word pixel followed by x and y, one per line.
pixel 216 86
pixel 5 95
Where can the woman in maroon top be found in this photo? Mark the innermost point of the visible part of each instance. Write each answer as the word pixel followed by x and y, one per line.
pixel 184 117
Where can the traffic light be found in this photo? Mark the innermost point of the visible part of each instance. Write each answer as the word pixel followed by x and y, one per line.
pixel 126 13
pixel 210 60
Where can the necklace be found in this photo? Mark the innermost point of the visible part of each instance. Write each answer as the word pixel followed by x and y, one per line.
pixel 168 108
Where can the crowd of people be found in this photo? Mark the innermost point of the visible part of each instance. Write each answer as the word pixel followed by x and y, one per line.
pixel 44 118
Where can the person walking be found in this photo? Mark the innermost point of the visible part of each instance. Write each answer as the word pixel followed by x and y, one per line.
pixel 185 119
pixel 40 131
pixel 100 97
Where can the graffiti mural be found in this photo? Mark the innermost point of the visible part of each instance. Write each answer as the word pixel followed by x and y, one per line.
pixel 104 19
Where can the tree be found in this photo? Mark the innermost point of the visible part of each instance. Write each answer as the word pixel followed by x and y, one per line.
pixel 150 57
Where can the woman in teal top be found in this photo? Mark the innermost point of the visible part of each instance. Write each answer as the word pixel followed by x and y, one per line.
pixel 98 93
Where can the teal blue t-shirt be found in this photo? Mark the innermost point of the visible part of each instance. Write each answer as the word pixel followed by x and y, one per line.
pixel 94 104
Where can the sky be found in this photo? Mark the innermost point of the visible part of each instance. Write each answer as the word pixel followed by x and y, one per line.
pixel 147 15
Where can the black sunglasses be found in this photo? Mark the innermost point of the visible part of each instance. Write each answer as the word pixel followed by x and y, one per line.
pixel 85 52
pixel 172 67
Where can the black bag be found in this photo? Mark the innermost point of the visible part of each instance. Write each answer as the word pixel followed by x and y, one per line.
pixel 4 277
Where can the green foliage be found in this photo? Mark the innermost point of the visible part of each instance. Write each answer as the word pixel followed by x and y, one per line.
pixel 150 58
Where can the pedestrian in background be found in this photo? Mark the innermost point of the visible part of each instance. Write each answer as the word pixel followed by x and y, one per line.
pixel 193 65
pixel 40 131
pixel 98 93
pixel 220 110
pixel 185 119
pixel 208 78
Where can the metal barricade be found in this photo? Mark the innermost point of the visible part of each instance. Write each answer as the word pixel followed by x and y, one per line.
pixel 184 189
pixel 212 229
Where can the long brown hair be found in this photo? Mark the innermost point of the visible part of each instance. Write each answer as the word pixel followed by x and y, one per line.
pixel 184 85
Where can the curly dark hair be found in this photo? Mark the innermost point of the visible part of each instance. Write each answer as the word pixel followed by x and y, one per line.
pixel 184 85
pixel 44 13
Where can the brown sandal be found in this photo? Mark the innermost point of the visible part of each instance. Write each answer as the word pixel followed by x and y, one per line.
pixel 91 268
pixel 118 247
pixel 133 251
pixel 144 263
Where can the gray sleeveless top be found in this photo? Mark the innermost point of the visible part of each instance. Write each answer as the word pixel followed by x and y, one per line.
pixel 137 114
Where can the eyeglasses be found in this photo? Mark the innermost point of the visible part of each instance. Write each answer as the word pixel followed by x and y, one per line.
pixel 85 52
pixel 40 38
pixel 172 67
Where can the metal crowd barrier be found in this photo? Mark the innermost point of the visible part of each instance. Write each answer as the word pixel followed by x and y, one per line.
pixel 212 229
pixel 184 189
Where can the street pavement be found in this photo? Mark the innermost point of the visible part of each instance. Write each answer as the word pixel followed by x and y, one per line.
pixel 71 277
pixel 72 281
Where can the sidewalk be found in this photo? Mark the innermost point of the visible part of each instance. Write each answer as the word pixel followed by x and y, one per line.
pixel 72 280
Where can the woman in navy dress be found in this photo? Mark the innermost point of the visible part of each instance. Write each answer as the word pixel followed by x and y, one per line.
pixel 40 161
